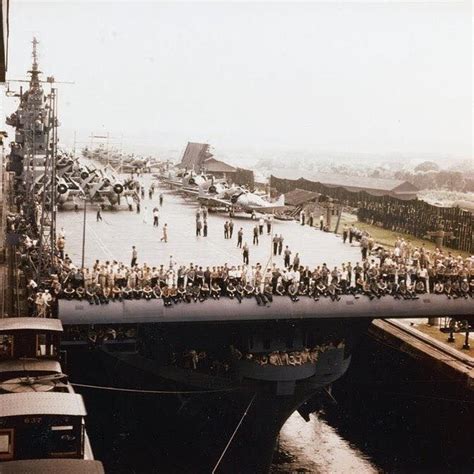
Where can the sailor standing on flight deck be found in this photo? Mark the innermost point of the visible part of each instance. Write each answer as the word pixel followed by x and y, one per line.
pixel 255 235
pixel 240 235
pixel 287 256
pixel 165 234
pixel 275 244
pixel 268 221
pixel 198 227
pixel 134 256
pixel 60 243
pixel 345 234
pixel 280 244
pixel 245 254
pixel 99 213
pixel 226 230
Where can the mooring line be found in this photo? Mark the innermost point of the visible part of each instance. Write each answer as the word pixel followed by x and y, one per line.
pixel 156 392
pixel 233 434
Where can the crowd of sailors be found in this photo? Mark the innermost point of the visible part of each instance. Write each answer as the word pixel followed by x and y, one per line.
pixel 402 273
pixel 280 358
pixel 200 359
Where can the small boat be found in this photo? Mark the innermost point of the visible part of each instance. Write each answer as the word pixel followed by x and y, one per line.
pixel 42 419
pixel 52 466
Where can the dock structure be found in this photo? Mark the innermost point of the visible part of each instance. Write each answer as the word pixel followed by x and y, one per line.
pixel 444 359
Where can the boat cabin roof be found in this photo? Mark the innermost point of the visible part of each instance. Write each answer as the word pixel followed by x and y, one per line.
pixel 52 466
pixel 32 324
pixel 42 403
pixel 30 365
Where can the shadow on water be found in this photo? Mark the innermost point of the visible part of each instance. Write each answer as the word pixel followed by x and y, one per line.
pixel 392 415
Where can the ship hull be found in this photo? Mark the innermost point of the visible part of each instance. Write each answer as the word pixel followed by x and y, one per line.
pixel 205 416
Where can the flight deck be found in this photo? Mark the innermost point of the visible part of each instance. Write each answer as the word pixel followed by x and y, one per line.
pixel 112 239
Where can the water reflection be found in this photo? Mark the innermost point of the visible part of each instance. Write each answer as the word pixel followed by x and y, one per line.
pixel 316 447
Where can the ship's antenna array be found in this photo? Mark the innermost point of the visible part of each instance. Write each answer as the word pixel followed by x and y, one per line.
pixel 33 157
pixel 34 54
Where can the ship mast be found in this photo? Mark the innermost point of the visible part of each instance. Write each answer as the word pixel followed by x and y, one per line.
pixel 47 188
pixel 35 72
pixel 38 130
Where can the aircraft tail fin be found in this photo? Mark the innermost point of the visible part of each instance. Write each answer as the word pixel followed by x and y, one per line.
pixel 280 201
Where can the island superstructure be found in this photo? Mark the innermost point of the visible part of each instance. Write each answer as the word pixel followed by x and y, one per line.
pixel 42 419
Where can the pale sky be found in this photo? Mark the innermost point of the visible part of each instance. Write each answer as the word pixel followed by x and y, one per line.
pixel 369 77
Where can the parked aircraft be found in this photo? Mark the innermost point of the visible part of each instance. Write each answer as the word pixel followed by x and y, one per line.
pixel 76 179
pixel 237 197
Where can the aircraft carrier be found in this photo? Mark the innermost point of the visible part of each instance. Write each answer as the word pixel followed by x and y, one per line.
pixel 199 407
pixel 204 419
pixel 199 375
